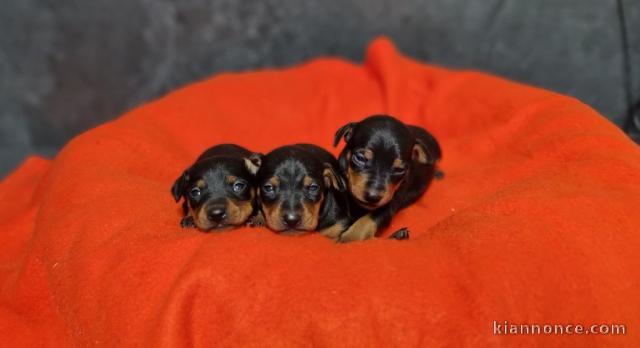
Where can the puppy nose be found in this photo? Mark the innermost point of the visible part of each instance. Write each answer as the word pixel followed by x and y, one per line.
pixel 291 219
pixel 372 196
pixel 216 214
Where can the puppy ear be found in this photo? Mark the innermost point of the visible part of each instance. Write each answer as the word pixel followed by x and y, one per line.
pixel 177 190
pixel 421 154
pixel 331 178
pixel 344 132
pixel 253 163
pixel 342 161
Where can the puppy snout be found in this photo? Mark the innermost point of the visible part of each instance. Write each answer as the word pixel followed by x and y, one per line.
pixel 216 213
pixel 291 219
pixel 372 196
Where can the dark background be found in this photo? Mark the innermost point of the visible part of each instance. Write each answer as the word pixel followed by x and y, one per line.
pixel 66 66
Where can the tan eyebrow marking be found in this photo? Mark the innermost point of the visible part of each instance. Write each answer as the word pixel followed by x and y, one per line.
pixel 398 163
pixel 230 179
pixel 307 181
pixel 368 154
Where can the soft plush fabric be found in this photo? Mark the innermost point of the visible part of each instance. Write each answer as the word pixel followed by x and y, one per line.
pixel 536 221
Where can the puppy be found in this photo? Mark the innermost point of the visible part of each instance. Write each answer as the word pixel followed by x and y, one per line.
pixel 219 188
pixel 300 190
pixel 388 165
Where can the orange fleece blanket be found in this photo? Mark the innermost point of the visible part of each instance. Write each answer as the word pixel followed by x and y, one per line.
pixel 536 222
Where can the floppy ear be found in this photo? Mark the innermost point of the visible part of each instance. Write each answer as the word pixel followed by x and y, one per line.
pixel 421 154
pixel 331 178
pixel 177 190
pixel 344 132
pixel 253 163
pixel 342 161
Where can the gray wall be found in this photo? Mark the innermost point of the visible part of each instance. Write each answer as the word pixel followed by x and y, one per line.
pixel 66 66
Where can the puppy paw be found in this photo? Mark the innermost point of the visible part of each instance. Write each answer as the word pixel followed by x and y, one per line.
pixel 333 232
pixel 400 234
pixel 363 229
pixel 187 222
pixel 350 236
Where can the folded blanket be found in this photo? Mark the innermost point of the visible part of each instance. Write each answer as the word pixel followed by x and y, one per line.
pixel 536 222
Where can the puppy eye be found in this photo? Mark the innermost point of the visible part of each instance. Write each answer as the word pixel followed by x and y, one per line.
pixel 195 193
pixel 313 188
pixel 268 188
pixel 238 186
pixel 359 159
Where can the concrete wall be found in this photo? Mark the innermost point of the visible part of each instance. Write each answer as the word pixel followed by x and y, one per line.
pixel 66 66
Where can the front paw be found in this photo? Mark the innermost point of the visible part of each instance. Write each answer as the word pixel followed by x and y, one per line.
pixel 363 229
pixel 187 222
pixel 350 236
pixel 400 234
pixel 333 232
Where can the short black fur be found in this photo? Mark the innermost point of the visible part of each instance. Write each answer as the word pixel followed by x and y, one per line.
pixel 219 188
pixel 388 165
pixel 300 189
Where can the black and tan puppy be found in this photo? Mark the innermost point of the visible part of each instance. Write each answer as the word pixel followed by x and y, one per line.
pixel 388 165
pixel 300 189
pixel 219 188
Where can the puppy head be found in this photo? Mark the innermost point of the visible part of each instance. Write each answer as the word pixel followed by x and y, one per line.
pixel 219 191
pixel 292 186
pixel 377 158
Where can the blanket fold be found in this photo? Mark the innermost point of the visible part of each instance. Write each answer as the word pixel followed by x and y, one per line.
pixel 536 222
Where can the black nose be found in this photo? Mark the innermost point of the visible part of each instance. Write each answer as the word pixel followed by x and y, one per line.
pixel 291 219
pixel 372 197
pixel 216 214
